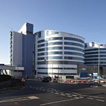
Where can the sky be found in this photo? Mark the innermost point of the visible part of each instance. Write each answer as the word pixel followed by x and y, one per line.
pixel 86 18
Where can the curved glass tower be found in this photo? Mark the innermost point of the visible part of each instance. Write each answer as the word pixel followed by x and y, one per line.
pixel 58 53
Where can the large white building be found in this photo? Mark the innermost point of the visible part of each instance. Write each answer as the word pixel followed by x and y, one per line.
pixel 21 50
pixel 46 53
pixel 58 53
pixel 95 55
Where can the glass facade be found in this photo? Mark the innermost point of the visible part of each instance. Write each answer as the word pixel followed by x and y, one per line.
pixel 56 32
pixel 73 48
pixel 73 39
pixel 73 53
pixel 54 38
pixel 43 49
pixel 41 45
pixel 41 41
pixel 54 43
pixel 57 73
pixel 51 53
pixel 73 58
pixel 39 34
pixel 57 68
pixel 41 54
pixel 74 44
pixel 41 58
pixel 54 48
pixel 95 52
pixel 54 57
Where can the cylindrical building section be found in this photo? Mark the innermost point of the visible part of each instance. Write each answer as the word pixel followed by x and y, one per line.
pixel 58 53
pixel 95 54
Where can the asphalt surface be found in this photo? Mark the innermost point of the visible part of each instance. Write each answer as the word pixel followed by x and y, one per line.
pixel 38 93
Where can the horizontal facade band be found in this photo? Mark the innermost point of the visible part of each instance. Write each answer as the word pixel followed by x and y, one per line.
pixel 57 68
pixel 57 73
pixel 58 62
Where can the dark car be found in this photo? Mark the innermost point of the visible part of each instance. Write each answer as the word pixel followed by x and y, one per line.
pixel 46 79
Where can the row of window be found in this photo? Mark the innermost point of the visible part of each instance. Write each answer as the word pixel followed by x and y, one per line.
pixel 57 62
pixel 75 39
pixel 73 48
pixel 60 48
pixel 57 73
pixel 95 56
pixel 59 52
pixel 47 33
pixel 95 62
pixel 60 57
pixel 95 52
pixel 61 38
pixel 54 48
pixel 57 68
pixel 60 43
pixel 43 49
pixel 73 58
pixel 54 43
pixel 49 39
pixel 95 49
pixel 50 53
pixel 95 59
pixel 54 38
pixel 74 44
pixel 73 53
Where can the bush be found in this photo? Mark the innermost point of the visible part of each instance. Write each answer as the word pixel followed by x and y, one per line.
pixel 5 78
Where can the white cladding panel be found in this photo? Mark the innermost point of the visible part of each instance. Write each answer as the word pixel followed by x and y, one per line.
pixel 17 49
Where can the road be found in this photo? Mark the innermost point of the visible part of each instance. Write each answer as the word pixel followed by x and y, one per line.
pixel 39 93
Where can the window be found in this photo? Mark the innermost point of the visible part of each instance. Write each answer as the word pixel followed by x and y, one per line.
pixel 41 50
pixel 40 41
pixel 73 53
pixel 39 34
pixel 54 38
pixel 47 33
pixel 73 58
pixel 56 57
pixel 51 53
pixel 73 48
pixel 41 45
pixel 101 44
pixel 56 32
pixel 75 39
pixel 41 54
pixel 54 43
pixel 75 44
pixel 54 48
pixel 85 45
pixel 41 58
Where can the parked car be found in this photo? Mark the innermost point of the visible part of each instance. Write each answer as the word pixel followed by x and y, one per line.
pixel 46 79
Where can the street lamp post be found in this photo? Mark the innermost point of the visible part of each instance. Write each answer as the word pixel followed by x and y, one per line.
pixel 98 61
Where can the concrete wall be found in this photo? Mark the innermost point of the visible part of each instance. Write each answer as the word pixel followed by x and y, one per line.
pixel 17 49
pixel 28 55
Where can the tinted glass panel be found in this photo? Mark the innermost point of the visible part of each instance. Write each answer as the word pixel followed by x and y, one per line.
pixel 73 48
pixel 73 53
pixel 51 53
pixel 75 44
pixel 54 48
pixel 41 49
pixel 56 57
pixel 74 39
pixel 54 43
pixel 73 58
